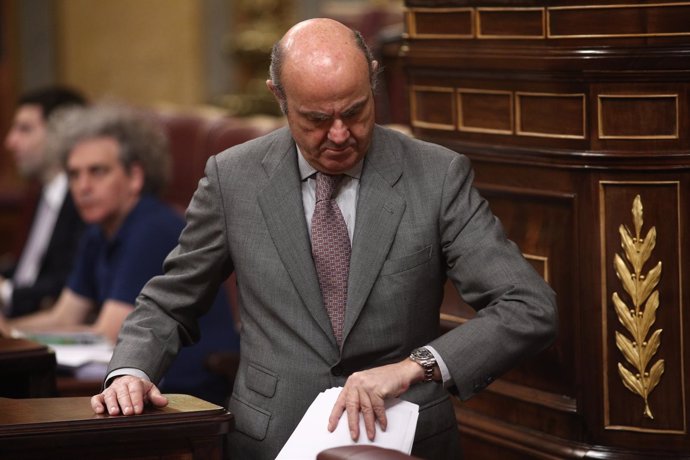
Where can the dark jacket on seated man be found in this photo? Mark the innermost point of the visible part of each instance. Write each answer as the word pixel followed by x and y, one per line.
pixel 54 265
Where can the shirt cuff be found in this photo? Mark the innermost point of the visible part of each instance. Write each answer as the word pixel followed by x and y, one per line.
pixel 124 371
pixel 445 374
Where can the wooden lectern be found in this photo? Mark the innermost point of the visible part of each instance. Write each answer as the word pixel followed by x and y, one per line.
pixel 27 369
pixel 188 428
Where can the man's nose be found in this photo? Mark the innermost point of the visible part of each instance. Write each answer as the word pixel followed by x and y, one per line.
pixel 339 132
pixel 79 183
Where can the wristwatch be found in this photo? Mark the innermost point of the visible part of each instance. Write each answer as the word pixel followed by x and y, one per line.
pixel 424 358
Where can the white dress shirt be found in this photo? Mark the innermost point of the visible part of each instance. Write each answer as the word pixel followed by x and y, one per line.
pixel 42 227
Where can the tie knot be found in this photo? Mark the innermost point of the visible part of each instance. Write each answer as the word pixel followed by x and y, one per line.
pixel 326 185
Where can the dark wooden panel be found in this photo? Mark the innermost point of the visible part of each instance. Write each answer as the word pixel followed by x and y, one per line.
pixel 587 110
pixel 65 428
pixel 485 111
pixel 638 116
pixel 433 107
pixel 441 23
pixel 510 23
pixel 632 19
pixel 659 213
pixel 551 115
pixel 27 369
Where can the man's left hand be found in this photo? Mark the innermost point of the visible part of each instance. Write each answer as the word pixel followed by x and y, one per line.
pixel 365 393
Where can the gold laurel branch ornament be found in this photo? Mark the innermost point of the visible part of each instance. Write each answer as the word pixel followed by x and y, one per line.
pixel 638 320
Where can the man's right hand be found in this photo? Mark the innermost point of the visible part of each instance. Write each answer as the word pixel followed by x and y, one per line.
pixel 127 395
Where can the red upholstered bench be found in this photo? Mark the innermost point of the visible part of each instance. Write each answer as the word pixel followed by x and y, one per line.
pixel 363 453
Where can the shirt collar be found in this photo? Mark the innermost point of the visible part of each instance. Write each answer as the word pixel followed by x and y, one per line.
pixel 306 170
pixel 144 206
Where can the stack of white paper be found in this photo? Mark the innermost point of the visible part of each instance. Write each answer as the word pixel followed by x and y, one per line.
pixel 312 436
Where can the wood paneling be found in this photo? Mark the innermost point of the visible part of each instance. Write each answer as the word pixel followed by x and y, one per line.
pixel 510 23
pixel 660 210
pixel 632 20
pixel 454 23
pixel 593 20
pixel 433 107
pixel 485 111
pixel 564 129
pixel 638 116
pixel 65 428
pixel 551 115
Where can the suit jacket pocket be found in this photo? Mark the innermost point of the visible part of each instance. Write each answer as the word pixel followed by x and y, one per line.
pixel 401 264
pixel 261 380
pixel 435 417
pixel 249 419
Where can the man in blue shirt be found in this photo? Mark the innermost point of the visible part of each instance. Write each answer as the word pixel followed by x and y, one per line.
pixel 117 163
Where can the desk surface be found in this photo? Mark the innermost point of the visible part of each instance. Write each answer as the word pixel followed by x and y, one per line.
pixel 187 425
pixel 20 415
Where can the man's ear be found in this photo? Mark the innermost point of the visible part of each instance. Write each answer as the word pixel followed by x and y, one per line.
pixel 137 177
pixel 273 89
pixel 278 94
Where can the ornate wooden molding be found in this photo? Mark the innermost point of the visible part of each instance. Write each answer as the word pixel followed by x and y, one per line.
pixel 638 319
pixel 662 19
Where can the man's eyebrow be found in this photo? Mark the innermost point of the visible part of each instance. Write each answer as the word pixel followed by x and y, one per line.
pixel 354 108
pixel 322 115
pixel 315 114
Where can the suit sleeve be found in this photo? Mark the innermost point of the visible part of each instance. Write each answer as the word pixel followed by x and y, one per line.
pixel 167 310
pixel 516 309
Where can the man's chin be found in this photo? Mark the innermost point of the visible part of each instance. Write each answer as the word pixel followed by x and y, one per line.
pixel 335 162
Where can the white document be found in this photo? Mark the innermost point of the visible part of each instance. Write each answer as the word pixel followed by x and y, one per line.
pixel 75 355
pixel 75 349
pixel 312 436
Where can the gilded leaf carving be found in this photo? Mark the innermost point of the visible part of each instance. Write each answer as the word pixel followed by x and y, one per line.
pixel 639 348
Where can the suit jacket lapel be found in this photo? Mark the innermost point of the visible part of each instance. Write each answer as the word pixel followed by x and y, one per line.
pixel 379 210
pixel 283 211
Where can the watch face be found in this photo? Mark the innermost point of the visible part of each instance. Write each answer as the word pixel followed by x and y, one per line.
pixel 422 353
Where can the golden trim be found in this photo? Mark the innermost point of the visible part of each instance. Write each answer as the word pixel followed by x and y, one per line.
pixel 604 315
pixel 452 318
pixel 549 34
pixel 531 395
pixel 600 129
pixel 464 128
pixel 639 318
pixel 481 36
pixel 412 22
pixel 543 259
pixel 414 89
pixel 518 118
pixel 623 5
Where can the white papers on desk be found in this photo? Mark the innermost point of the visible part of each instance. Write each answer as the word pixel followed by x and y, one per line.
pixel 76 355
pixel 312 436
pixel 83 354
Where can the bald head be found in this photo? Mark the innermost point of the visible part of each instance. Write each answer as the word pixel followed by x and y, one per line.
pixel 322 76
pixel 318 49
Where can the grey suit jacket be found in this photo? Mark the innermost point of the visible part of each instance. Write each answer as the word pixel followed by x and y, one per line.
pixel 418 222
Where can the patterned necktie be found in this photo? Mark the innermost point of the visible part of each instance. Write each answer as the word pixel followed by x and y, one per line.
pixel 330 246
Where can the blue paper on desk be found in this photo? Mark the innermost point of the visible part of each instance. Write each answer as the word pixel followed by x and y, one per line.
pixel 312 436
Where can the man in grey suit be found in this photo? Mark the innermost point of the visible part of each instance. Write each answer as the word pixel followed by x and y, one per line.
pixel 413 221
